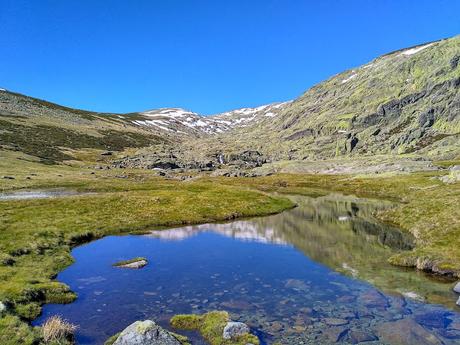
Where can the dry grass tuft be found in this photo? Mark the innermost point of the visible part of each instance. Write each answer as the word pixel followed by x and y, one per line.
pixel 57 329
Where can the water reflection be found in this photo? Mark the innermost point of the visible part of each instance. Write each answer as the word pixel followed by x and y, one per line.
pixel 279 274
pixel 340 232
pixel 38 194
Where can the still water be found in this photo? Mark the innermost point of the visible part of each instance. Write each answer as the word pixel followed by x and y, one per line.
pixel 316 274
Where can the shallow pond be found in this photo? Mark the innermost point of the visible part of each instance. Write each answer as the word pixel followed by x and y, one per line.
pixel 38 194
pixel 316 274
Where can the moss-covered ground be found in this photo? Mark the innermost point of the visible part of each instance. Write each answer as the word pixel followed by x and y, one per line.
pixel 211 326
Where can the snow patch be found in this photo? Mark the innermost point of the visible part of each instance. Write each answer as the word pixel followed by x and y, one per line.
pixel 354 75
pixel 413 51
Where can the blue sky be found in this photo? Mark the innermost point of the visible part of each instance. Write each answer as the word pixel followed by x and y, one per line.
pixel 205 56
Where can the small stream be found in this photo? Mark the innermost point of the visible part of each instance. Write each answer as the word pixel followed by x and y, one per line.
pixel 316 274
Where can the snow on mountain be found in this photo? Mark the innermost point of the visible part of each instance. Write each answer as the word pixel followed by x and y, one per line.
pixel 181 121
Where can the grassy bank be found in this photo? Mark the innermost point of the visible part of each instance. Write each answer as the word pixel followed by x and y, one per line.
pixel 428 208
pixel 38 234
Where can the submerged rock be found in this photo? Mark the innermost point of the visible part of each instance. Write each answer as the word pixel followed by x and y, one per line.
pixel 406 331
pixel 146 333
pixel 235 329
pixel 335 334
pixel 358 336
pixel 296 284
pixel 335 322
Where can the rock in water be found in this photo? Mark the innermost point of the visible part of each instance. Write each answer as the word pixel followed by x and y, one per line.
pixel 133 263
pixel 458 302
pixel 457 287
pixel 405 332
pixel 146 333
pixel 235 329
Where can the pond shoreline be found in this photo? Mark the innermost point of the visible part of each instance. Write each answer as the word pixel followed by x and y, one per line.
pixel 358 227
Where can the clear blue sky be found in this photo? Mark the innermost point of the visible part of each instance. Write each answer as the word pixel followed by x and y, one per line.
pixel 205 56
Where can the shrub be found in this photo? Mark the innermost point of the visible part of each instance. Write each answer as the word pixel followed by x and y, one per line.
pixel 58 330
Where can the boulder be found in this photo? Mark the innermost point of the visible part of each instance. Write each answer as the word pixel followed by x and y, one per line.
pixel 234 330
pixel 406 332
pixel 146 333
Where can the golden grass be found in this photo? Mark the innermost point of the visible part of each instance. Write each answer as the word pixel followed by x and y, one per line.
pixel 58 330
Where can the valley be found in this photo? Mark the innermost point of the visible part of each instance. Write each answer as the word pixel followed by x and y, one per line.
pixel 388 130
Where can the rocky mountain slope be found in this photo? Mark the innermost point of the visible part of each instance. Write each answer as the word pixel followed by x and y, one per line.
pixel 405 103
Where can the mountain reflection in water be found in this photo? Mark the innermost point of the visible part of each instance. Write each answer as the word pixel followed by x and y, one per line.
pixel 340 232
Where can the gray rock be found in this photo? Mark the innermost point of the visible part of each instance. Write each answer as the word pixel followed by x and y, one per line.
pixel 457 287
pixel 235 329
pixel 133 265
pixel 2 308
pixel 458 302
pixel 146 333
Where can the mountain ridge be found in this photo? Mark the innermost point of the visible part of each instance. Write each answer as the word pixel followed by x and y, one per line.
pixel 403 103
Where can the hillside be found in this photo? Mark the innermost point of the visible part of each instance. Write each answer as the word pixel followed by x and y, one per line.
pixel 403 104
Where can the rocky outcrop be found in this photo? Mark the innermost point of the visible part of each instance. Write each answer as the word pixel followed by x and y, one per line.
pixel 146 333
pixel 453 176
pixel 234 330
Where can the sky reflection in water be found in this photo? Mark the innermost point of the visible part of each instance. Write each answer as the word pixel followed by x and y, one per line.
pixel 300 276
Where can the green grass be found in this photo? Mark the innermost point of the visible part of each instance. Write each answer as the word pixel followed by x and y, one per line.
pixel 211 326
pixel 46 142
pixel 37 235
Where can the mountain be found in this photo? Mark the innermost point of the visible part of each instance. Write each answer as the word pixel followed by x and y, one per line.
pixel 405 102
pixel 402 104
pixel 183 122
